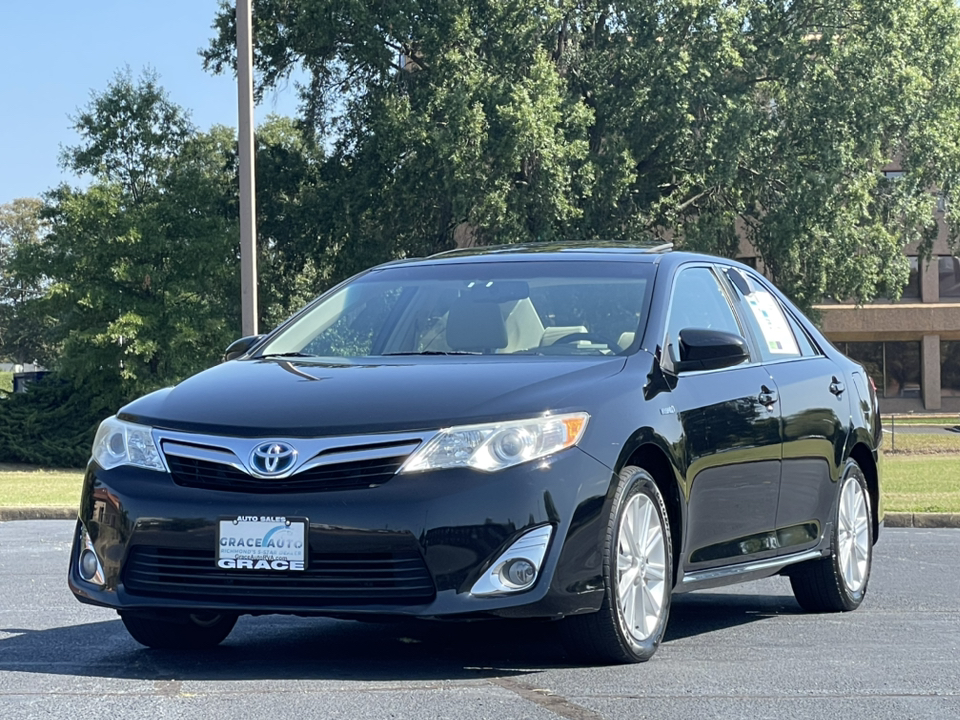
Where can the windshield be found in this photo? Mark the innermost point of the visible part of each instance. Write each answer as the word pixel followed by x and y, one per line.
pixel 498 308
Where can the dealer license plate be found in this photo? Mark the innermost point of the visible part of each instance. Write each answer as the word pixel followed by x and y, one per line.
pixel 257 542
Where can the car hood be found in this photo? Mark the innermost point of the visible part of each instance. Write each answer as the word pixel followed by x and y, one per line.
pixel 293 398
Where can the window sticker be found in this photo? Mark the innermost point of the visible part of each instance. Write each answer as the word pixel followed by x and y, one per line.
pixel 776 332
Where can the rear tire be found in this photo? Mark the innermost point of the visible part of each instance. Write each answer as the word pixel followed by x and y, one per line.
pixel 638 577
pixel 839 583
pixel 182 631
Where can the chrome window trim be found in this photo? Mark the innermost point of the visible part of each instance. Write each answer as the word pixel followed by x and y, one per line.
pixel 694 373
pixel 798 358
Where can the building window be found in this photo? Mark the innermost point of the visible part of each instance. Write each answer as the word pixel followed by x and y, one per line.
pixel 949 271
pixel 901 369
pixel 912 289
pixel 870 355
pixel 950 368
pixel 894 366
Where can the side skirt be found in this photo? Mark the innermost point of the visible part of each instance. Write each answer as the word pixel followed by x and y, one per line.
pixel 716 577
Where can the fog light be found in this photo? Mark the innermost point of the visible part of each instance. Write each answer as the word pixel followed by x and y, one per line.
pixel 518 567
pixel 88 565
pixel 520 573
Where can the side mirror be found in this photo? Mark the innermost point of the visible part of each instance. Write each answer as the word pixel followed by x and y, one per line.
pixel 702 349
pixel 239 347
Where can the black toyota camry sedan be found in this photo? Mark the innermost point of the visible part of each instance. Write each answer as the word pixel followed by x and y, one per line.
pixel 573 433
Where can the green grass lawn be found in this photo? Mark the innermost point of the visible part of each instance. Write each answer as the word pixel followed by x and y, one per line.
pixel 922 482
pixel 6 382
pixel 908 444
pixel 939 419
pixel 23 485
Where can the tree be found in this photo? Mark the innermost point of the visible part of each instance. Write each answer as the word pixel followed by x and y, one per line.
pixel 699 120
pixel 130 135
pixel 20 224
pixel 141 267
pixel 23 330
pixel 294 257
pixel 52 424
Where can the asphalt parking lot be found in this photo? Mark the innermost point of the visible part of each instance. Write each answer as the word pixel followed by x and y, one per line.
pixel 920 429
pixel 743 652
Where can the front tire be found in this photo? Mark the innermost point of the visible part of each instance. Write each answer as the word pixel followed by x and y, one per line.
pixel 638 577
pixel 178 631
pixel 839 583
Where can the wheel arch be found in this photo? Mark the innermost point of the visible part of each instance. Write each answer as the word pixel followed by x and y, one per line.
pixel 650 456
pixel 868 465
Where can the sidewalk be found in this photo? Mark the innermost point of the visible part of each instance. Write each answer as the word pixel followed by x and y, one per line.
pixel 892 519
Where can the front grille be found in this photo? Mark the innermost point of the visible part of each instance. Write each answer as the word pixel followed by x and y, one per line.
pixel 195 473
pixel 390 578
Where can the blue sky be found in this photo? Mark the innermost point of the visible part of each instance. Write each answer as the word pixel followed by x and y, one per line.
pixel 54 53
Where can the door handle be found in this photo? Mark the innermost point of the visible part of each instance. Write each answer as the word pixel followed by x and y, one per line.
pixel 767 396
pixel 836 387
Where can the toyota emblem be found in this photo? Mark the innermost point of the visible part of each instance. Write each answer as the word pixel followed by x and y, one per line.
pixel 273 458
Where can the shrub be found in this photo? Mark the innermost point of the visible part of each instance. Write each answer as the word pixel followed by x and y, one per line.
pixel 52 424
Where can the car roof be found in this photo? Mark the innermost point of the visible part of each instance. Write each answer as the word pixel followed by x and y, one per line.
pixel 571 251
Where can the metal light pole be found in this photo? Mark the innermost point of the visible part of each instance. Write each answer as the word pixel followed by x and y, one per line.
pixel 248 215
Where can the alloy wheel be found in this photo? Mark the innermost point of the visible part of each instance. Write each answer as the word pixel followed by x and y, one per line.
pixel 853 535
pixel 641 568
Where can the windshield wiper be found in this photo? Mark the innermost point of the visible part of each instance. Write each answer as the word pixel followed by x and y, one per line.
pixel 435 352
pixel 287 355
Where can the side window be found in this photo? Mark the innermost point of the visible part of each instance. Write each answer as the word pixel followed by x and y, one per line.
pixel 778 335
pixel 698 301
pixel 807 348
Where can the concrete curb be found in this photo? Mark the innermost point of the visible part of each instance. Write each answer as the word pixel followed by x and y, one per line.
pixel 891 519
pixel 922 520
pixel 38 513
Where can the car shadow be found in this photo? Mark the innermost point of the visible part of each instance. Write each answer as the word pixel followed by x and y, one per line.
pixel 699 613
pixel 275 647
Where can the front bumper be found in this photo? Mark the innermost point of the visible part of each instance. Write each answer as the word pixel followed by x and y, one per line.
pixel 415 545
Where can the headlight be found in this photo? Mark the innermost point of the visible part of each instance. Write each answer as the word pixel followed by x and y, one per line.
pixel 495 446
pixel 122 443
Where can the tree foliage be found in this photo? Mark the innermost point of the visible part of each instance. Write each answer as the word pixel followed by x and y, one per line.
pixel 52 424
pixel 24 332
pixel 130 135
pixel 141 267
pixel 294 254
pixel 697 120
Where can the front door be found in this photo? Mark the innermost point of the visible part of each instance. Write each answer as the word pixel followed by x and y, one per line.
pixel 731 427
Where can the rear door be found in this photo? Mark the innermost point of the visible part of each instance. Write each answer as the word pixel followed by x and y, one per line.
pixel 813 401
